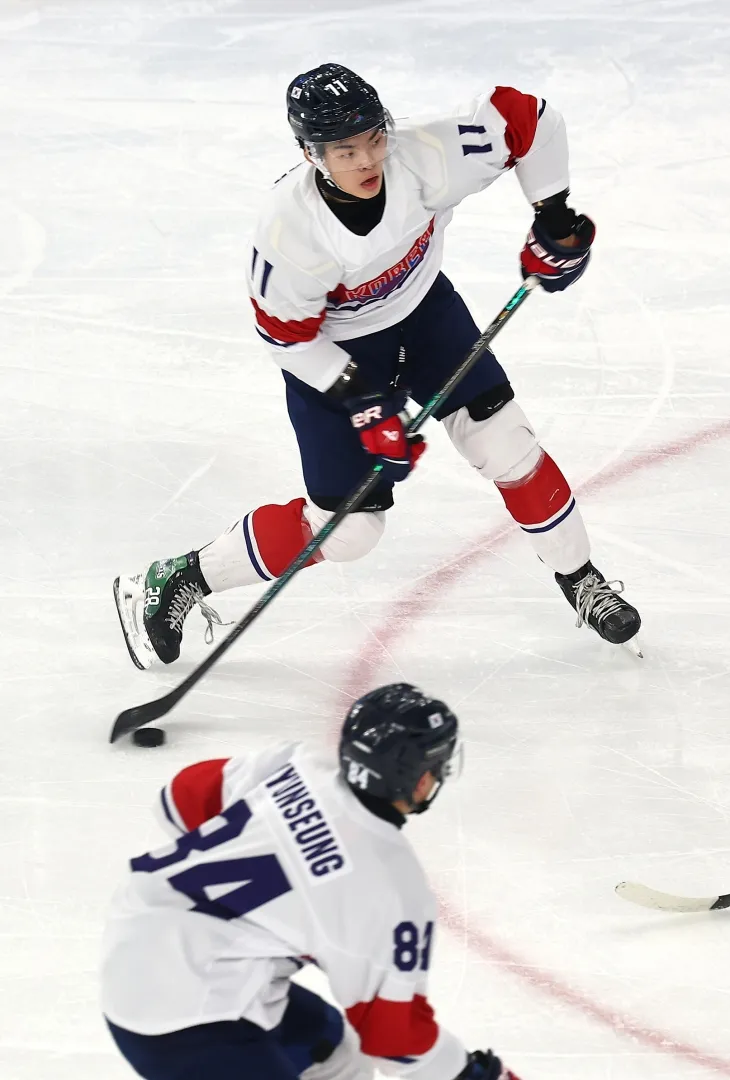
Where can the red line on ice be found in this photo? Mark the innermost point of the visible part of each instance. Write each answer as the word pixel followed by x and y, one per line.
pixel 420 599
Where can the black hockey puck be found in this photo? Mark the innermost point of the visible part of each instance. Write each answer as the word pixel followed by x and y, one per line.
pixel 148 736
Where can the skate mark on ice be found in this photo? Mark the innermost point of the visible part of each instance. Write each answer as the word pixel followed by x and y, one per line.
pixel 33 241
pixel 666 781
pixel 194 475
pixel 122 327
pixel 663 393
pixel 489 948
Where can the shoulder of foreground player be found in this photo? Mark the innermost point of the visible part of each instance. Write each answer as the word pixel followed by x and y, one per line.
pixel 202 790
pixel 192 796
pixel 243 773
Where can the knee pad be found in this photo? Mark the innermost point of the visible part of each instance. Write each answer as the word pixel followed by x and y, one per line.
pixel 490 402
pixel 502 447
pixel 356 536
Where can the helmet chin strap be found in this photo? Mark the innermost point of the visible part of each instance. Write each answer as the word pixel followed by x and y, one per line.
pixel 425 804
pixel 324 171
pixel 316 159
pixel 333 190
pixel 328 179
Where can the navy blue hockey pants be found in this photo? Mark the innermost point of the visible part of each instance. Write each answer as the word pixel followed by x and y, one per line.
pixel 436 338
pixel 237 1049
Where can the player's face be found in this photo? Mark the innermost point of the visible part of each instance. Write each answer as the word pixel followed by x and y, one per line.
pixel 356 164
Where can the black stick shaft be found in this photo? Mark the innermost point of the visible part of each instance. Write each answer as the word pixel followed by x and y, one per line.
pixel 131 719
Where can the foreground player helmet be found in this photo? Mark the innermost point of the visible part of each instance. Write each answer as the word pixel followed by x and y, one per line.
pixel 391 737
pixel 330 103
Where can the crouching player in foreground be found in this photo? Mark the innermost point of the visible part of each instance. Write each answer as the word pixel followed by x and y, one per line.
pixel 281 861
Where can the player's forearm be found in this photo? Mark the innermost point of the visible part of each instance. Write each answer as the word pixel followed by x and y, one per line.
pixel 543 171
pixel 348 384
pixel 557 218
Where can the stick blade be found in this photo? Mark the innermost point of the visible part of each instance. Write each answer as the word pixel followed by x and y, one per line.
pixel 661 901
pixel 132 719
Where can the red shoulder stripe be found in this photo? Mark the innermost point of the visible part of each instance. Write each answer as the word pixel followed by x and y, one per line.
pixel 197 792
pixel 520 112
pixel 291 332
pixel 394 1028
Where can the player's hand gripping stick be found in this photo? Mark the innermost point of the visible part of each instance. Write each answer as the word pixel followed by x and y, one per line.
pixel 131 719
pixel 558 264
pixel 379 421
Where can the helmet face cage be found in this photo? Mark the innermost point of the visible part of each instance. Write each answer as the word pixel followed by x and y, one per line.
pixel 358 153
pixel 449 768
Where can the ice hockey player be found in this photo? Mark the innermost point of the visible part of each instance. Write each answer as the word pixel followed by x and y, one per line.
pixel 344 279
pixel 283 861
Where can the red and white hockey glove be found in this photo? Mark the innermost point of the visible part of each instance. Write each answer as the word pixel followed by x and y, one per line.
pixel 557 265
pixel 376 418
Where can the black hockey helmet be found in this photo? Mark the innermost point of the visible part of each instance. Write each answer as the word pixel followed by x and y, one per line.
pixel 330 103
pixel 391 737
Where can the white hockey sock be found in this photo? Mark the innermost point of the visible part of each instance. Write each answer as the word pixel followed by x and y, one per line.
pixel 543 506
pixel 504 448
pixel 256 548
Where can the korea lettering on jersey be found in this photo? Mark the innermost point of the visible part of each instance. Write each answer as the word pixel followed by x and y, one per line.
pixel 277 864
pixel 313 283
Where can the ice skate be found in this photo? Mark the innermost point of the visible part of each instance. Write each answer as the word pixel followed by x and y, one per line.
pixel 598 604
pixel 153 608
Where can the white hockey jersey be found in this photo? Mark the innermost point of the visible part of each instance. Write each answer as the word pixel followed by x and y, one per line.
pixel 276 865
pixel 313 283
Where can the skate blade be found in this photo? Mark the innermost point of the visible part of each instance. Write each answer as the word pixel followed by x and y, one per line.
pixel 633 645
pixel 128 597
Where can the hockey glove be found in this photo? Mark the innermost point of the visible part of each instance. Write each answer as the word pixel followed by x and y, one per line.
pixel 376 419
pixel 556 265
pixel 484 1065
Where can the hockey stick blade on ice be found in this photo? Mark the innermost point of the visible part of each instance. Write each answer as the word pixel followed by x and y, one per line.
pixel 661 901
pixel 132 719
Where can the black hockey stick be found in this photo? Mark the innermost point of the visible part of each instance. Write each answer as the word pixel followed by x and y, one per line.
pixel 132 719
pixel 661 901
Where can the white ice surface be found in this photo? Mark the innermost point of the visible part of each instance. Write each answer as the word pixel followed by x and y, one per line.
pixel 138 417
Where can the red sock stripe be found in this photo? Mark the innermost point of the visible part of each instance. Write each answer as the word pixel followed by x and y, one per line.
pixel 539 496
pixel 281 532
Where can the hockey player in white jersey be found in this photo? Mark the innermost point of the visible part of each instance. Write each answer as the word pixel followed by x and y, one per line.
pixel 345 278
pixel 281 861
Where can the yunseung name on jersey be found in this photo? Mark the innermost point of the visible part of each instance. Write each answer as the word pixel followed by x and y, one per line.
pixel 277 864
